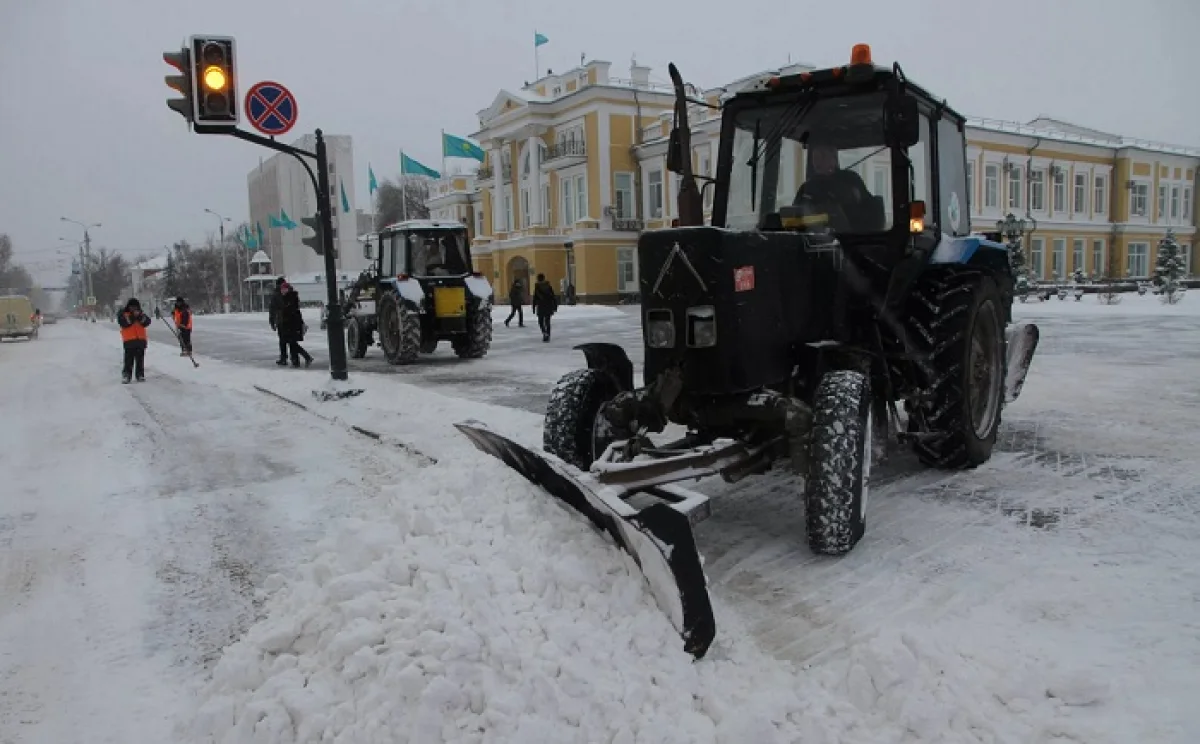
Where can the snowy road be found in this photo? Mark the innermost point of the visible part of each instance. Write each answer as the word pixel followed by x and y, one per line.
pixel 136 525
pixel 1049 596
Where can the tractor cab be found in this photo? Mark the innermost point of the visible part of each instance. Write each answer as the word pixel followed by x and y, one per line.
pixel 423 249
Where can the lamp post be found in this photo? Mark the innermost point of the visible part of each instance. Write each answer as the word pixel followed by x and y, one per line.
pixel 85 256
pixel 224 271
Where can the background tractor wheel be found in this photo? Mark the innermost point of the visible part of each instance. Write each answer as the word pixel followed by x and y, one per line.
pixel 399 330
pixel 956 324
pixel 570 431
pixel 357 340
pixel 479 334
pixel 839 463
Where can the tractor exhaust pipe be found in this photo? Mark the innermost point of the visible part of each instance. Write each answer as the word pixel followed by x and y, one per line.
pixel 679 157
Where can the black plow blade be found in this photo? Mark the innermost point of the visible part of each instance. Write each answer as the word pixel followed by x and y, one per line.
pixel 1022 343
pixel 658 537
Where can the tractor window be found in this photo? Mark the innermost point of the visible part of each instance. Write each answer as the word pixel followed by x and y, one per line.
pixel 438 253
pixel 393 255
pixel 830 158
pixel 952 176
pixel 921 158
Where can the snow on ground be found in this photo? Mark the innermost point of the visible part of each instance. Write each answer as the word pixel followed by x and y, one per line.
pixel 1047 596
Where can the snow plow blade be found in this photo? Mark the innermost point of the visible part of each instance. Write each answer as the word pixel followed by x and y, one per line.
pixel 659 538
pixel 1022 342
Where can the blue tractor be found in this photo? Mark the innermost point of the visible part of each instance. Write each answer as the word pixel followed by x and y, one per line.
pixel 837 283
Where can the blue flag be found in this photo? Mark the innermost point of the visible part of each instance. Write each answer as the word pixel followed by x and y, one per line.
pixel 539 39
pixel 372 184
pixel 408 166
pixel 345 201
pixel 286 222
pixel 457 147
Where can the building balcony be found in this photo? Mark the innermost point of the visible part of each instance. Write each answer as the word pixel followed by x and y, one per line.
pixel 487 173
pixel 565 154
pixel 628 224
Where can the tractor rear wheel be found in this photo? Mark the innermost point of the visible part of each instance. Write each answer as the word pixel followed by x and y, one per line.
pixel 570 431
pixel 478 339
pixel 839 463
pixel 399 330
pixel 357 338
pixel 956 325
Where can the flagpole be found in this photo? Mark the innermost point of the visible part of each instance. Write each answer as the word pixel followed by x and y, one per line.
pixel 445 173
pixel 403 190
pixel 536 66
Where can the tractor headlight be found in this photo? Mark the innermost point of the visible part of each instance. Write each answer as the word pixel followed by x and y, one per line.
pixel 702 326
pixel 660 329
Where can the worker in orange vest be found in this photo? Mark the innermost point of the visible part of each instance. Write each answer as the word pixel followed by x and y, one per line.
pixel 133 324
pixel 182 315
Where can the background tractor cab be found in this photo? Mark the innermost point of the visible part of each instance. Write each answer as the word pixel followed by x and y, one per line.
pixel 421 290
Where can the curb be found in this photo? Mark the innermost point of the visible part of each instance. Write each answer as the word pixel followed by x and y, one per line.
pixel 423 458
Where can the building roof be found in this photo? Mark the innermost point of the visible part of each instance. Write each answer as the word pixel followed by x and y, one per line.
pixel 260 257
pixel 1061 131
pixel 158 263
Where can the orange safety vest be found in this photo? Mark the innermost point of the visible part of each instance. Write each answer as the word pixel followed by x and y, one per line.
pixel 135 331
pixel 179 314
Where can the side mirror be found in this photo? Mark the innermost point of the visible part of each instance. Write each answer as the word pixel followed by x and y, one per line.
pixel 674 153
pixel 902 122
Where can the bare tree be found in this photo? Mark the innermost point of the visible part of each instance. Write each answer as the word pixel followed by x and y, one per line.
pixel 404 199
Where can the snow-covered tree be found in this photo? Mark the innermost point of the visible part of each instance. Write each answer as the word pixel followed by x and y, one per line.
pixel 1170 268
pixel 1016 259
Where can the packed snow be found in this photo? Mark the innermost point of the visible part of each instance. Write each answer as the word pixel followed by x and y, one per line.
pixel 1047 596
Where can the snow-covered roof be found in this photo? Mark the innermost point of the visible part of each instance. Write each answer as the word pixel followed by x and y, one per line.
pixel 1052 129
pixel 424 225
pixel 158 263
pixel 260 257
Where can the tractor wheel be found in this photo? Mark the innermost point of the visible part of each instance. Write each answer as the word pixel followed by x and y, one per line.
pixel 839 463
pixel 478 340
pixel 570 432
pixel 956 324
pixel 399 330
pixel 357 340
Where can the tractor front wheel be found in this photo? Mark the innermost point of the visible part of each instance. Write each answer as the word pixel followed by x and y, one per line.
pixel 357 338
pixel 478 340
pixel 839 463
pixel 573 431
pixel 399 330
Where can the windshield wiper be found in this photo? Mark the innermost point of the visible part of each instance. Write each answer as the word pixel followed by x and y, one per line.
pixel 790 118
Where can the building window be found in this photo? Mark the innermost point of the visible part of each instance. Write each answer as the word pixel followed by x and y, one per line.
pixel 970 187
pixel 1036 261
pixel 581 200
pixel 1058 259
pixel 1014 188
pixel 1037 190
pixel 545 204
pixel 1059 204
pixel 623 195
pixel 508 213
pixel 627 274
pixel 654 192
pixel 1081 193
pixel 1162 203
pixel 568 202
pixel 1139 260
pixel 1139 196
pixel 1175 202
pixel 991 186
pixel 1185 250
pixel 706 170
pixel 525 208
pixel 479 222
pixel 1099 265
pixel 1077 256
pixel 1100 197
pixel 1187 203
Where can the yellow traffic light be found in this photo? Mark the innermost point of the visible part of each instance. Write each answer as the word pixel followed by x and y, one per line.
pixel 214 78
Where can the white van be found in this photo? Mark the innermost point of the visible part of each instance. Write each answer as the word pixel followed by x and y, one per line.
pixel 16 317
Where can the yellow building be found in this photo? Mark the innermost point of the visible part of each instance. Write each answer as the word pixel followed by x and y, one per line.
pixel 590 172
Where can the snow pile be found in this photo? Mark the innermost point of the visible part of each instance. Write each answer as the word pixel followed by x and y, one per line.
pixel 480 614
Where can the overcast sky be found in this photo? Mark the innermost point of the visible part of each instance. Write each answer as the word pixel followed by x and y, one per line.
pixel 85 132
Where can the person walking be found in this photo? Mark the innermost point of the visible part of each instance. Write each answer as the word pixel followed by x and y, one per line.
pixel 133 323
pixel 291 326
pixel 544 305
pixel 182 317
pixel 516 299
pixel 273 319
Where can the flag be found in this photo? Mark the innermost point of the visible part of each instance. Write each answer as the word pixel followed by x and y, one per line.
pixel 345 201
pixel 274 221
pixel 372 184
pixel 457 147
pixel 287 221
pixel 412 167
pixel 261 239
pixel 539 39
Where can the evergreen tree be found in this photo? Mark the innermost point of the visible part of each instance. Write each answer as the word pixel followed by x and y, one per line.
pixel 1016 259
pixel 1170 268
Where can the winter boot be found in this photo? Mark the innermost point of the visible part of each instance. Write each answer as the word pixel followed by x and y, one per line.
pixel 125 379
pixel 308 362
pixel 545 338
pixel 281 362
pixel 141 379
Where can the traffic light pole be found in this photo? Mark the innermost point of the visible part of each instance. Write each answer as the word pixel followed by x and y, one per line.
pixel 320 182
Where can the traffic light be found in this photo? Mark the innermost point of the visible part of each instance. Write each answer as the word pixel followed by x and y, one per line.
pixel 184 82
pixel 214 72
pixel 313 223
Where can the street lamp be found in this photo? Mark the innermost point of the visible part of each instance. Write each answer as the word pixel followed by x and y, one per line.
pixel 85 255
pixel 224 271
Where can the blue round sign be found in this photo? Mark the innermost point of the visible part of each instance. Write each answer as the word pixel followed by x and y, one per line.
pixel 271 108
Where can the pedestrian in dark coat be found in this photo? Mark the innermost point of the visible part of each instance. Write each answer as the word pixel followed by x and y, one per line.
pixel 516 298
pixel 133 324
pixel 544 304
pixel 273 318
pixel 291 325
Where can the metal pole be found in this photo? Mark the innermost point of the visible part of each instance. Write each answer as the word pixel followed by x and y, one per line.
pixel 87 248
pixel 224 272
pixel 337 336
pixel 83 292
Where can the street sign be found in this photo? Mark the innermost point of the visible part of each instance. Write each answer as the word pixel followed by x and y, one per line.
pixel 271 108
pixel 91 300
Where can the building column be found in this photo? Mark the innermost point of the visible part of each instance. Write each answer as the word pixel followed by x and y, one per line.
pixel 497 187
pixel 535 181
